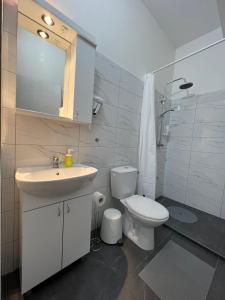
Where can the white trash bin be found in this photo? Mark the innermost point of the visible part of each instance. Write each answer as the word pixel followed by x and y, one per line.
pixel 111 228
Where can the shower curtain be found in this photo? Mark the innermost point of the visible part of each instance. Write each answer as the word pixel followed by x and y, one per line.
pixel 147 144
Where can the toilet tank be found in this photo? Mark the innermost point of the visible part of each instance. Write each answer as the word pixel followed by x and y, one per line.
pixel 123 181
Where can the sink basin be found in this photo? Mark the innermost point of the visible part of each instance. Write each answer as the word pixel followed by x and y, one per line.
pixel 50 182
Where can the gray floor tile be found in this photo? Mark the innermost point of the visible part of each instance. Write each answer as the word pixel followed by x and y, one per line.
pixel 217 289
pixel 176 274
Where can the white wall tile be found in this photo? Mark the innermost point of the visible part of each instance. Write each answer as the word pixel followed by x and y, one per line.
pixel 129 101
pixel 108 91
pixel 126 138
pixel 104 134
pixel 8 89
pixel 45 132
pixel 131 83
pixel 107 69
pixel 182 130
pixel 128 120
pixel 8 126
pixel 175 191
pixel 179 170
pixel 16 257
pixel 38 155
pixel 126 156
pixel 209 130
pixel 7 196
pixel 106 116
pixel 179 117
pixel 214 99
pixel 179 143
pixel 204 196
pixel 9 52
pixel 16 224
pixel 7 258
pixel 209 160
pixel 10 16
pixel 178 157
pixel 212 114
pixel 99 157
pixel 8 161
pixel 214 177
pixel 102 179
pixel 7 226
pixel 187 103
pixel 213 145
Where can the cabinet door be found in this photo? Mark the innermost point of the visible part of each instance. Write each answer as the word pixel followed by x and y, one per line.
pixel 77 228
pixel 41 244
pixel 84 81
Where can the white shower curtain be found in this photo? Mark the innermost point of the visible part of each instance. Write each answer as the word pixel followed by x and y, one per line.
pixel 147 144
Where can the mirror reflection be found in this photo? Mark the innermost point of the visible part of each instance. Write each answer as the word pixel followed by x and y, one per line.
pixel 40 74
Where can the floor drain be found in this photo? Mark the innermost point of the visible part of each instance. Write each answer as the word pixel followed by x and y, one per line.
pixel 182 214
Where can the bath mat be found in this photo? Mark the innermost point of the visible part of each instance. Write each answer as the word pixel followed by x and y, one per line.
pixel 175 274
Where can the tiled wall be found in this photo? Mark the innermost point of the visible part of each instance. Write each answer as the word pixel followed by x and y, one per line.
pixel 195 166
pixel 8 100
pixel 30 141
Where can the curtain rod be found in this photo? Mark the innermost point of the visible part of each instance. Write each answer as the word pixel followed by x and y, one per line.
pixel 189 55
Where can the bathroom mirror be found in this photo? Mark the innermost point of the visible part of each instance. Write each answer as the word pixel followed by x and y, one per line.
pixel 43 56
pixel 55 65
pixel 40 71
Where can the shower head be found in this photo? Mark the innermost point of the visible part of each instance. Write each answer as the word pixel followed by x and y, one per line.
pixel 186 85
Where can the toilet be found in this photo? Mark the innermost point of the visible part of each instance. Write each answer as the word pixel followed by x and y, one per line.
pixel 142 214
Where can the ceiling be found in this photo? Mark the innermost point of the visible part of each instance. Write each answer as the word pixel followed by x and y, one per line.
pixel 185 20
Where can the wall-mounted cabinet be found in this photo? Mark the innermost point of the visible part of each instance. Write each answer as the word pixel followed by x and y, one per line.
pixel 55 66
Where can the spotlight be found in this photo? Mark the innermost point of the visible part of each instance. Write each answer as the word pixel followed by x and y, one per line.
pixel 43 34
pixel 48 20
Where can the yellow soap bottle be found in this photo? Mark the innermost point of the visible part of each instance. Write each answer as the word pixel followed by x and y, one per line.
pixel 68 159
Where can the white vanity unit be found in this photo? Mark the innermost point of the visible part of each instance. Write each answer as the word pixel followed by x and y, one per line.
pixel 56 211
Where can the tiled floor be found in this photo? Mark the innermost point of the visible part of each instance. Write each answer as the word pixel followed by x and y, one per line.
pixel 208 231
pixel 113 273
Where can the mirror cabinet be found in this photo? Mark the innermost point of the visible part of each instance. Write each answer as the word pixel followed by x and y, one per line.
pixel 55 66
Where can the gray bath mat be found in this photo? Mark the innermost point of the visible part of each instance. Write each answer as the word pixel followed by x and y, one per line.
pixel 175 274
pixel 182 214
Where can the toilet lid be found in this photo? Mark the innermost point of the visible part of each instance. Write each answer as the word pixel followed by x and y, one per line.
pixel 147 207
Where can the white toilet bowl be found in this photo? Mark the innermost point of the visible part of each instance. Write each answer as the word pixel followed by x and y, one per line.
pixel 141 216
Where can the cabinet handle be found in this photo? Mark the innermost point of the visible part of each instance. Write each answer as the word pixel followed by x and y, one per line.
pixel 68 208
pixel 59 211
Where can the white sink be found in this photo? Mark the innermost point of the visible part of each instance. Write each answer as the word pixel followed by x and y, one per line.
pixel 50 182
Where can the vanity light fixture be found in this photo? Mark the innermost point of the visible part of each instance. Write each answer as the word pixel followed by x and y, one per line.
pixel 48 20
pixel 43 34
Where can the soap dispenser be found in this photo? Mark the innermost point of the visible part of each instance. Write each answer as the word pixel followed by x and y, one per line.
pixel 68 158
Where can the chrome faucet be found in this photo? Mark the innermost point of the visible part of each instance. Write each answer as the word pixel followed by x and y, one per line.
pixel 55 162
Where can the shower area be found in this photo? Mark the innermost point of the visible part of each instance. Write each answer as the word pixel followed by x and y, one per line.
pixel 190 129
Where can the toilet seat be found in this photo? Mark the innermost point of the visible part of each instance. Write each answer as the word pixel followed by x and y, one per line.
pixel 146 208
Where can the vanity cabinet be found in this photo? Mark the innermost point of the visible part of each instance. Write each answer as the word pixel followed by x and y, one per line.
pixel 77 224
pixel 53 237
pixel 41 244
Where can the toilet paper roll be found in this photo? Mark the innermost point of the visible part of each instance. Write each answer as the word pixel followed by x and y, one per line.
pixel 98 199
